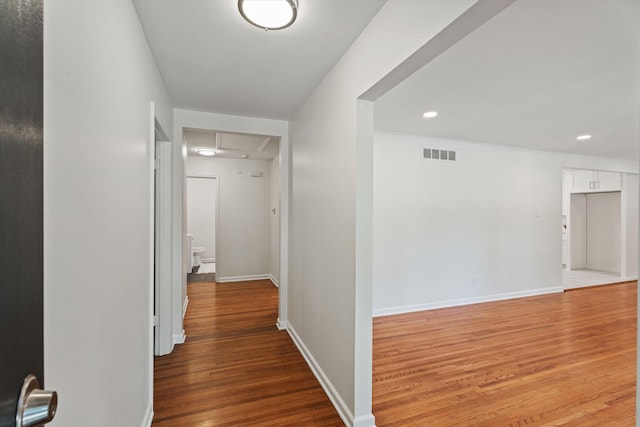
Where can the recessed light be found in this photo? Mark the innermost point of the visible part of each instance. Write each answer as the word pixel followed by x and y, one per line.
pixel 245 156
pixel 430 114
pixel 204 151
pixel 583 137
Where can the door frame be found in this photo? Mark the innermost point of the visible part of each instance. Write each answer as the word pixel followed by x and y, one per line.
pixel 163 339
pixel 234 124
pixel 161 220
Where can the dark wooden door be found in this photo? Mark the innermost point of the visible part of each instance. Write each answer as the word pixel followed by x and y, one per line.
pixel 21 189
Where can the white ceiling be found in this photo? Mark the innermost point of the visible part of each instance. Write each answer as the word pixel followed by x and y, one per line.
pixel 212 60
pixel 537 75
pixel 232 145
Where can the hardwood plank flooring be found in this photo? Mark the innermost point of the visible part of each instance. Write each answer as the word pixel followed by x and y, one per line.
pixel 236 368
pixel 562 359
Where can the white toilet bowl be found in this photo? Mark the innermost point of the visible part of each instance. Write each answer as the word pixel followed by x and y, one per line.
pixel 197 252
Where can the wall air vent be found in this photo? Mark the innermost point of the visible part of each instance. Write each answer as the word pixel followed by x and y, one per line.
pixel 437 154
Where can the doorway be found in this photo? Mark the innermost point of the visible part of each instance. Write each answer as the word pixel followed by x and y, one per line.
pixel 202 220
pixel 595 245
pixel 233 205
pixel 598 222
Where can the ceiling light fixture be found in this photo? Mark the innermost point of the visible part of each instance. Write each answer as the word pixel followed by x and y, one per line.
pixel 269 14
pixel 583 137
pixel 205 151
pixel 430 114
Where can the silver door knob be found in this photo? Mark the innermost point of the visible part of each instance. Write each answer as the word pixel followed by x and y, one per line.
pixel 35 407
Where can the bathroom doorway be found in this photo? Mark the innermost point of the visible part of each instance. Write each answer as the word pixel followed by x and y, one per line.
pixel 202 215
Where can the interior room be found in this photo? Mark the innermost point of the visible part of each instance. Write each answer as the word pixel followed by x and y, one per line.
pixel 480 157
pixel 233 206
pixel 419 154
pixel 480 153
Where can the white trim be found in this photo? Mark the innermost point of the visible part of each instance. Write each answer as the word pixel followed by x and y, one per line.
pixel 365 421
pixel 274 280
pixel 151 147
pixel 333 395
pixel 162 249
pixel 184 306
pixel 282 325
pixel 202 175
pixel 148 416
pixel 179 338
pixel 242 278
pixel 463 301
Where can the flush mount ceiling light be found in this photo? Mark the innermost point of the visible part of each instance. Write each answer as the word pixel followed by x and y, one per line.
pixel 430 114
pixel 269 14
pixel 204 151
pixel 583 137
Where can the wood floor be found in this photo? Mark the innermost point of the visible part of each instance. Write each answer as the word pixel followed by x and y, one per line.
pixel 236 368
pixel 562 359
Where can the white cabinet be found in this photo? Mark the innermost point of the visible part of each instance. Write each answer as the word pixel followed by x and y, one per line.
pixel 588 181
pixel 609 181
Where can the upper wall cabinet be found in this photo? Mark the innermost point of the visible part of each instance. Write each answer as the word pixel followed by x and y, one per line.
pixel 588 181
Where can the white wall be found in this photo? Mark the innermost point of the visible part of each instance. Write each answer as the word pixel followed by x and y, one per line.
pixel 451 232
pixel 330 305
pixel 274 249
pixel 578 230
pixel 244 208
pixel 201 214
pixel 99 79
pixel 630 217
pixel 603 231
pixel 484 227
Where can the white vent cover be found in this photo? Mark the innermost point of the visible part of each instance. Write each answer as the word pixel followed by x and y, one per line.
pixel 437 154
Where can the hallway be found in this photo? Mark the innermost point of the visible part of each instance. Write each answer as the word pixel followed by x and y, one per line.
pixel 236 368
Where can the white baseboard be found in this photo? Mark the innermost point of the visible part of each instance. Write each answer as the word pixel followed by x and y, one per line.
pixel 463 301
pixel 179 338
pixel 274 280
pixel 242 278
pixel 148 416
pixel 184 306
pixel 282 324
pixel 365 421
pixel 333 395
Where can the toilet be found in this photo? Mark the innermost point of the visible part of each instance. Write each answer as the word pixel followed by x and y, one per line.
pixel 197 252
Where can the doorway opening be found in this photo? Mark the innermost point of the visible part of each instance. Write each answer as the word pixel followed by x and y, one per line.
pixel 202 226
pixel 599 216
pixel 232 206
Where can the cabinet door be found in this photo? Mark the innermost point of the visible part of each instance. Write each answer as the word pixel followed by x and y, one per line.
pixel 608 181
pixel 583 181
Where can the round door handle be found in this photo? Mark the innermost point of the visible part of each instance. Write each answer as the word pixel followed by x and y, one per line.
pixel 35 407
